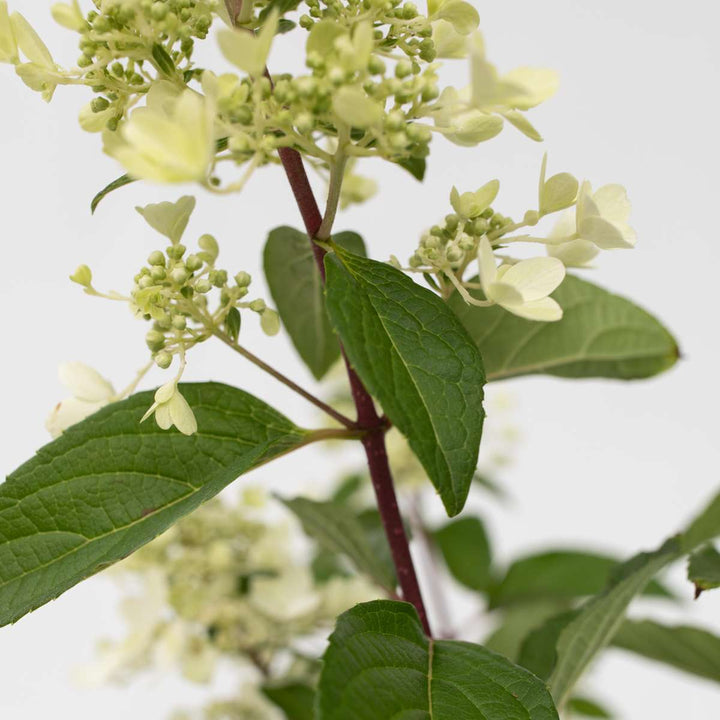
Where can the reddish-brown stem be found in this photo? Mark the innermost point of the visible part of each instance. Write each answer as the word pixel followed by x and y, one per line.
pixel 374 440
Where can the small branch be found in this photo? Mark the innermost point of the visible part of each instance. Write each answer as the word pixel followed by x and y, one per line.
pixel 255 360
pixel 337 174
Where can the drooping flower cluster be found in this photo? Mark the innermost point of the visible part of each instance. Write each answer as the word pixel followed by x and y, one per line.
pixel 472 234
pixel 173 293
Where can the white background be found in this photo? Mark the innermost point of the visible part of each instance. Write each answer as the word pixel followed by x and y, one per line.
pixel 605 465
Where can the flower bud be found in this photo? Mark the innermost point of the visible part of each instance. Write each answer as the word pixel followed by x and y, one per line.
pixel 155 340
pixel 179 275
pixel 156 258
pixel 82 276
pixel 193 263
pixel 203 286
pixel 258 306
pixel 163 360
pixel 243 279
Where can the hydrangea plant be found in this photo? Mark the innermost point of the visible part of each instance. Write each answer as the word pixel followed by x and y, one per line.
pixel 418 337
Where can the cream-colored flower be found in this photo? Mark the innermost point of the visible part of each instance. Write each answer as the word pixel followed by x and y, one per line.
pixel 523 288
pixel 290 595
pixel 90 392
pixel 171 140
pixel 246 50
pixel 171 408
pixel 599 222
pixel 8 43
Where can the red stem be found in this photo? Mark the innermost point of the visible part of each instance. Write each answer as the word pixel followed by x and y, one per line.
pixel 374 440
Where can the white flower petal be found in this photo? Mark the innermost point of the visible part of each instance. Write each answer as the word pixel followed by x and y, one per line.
pixel 536 278
pixel 163 416
pixel 545 310
pixel 605 234
pixel 69 412
pixel 575 253
pixel 85 383
pixel 486 264
pixel 613 203
pixel 504 294
pixel 182 415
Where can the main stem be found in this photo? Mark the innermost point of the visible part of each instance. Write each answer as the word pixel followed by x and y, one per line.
pixel 368 419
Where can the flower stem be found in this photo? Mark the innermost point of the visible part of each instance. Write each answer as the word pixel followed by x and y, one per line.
pixel 374 440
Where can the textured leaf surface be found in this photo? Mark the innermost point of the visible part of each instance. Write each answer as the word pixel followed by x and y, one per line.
pixel 704 570
pixel 558 575
pixel 379 665
pixel 691 649
pixel 297 289
pixel 110 484
pixel 600 618
pixel 294 699
pixel 600 335
pixel 338 530
pixel 416 358
pixel 465 547
pixel 583 707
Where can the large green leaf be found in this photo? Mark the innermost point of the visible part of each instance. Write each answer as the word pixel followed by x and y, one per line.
pixel 600 335
pixel 297 289
pixel 338 530
pixel 690 649
pixel 704 570
pixel 379 665
pixel 584 707
pixel 111 484
pixel 465 547
pixel 414 356
pixel 558 575
pixel 596 623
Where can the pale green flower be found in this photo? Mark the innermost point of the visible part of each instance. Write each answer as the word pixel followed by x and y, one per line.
pixel 470 205
pixel 169 141
pixel 572 253
pixel 171 408
pixel 355 108
pixel 8 43
pixel 523 288
pixel 461 15
pixel 448 42
pixel 558 192
pixel 246 50
pixel 90 392
pixel 69 16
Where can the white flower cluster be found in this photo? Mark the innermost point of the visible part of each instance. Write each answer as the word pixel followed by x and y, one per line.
pixel 593 221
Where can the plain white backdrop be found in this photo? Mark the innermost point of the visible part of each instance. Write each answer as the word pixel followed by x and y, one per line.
pixel 605 465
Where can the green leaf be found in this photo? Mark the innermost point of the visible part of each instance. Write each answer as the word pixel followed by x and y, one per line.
pixel 538 651
pixel 294 699
pixel 110 484
pixel 233 322
pixel 415 166
pixel 583 707
pixel 599 619
pixel 336 529
pixel 600 335
pixel 517 623
pixel 380 665
pixel 704 570
pixel 704 528
pixel 114 185
pixel 465 547
pixel 558 575
pixel 691 649
pixel 163 61
pixel 297 289
pixel 417 360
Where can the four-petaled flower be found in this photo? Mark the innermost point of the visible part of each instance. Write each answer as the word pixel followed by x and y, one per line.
pixel 171 408
pixel 523 288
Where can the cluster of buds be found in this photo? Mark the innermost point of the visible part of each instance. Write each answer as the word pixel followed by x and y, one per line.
pixel 592 221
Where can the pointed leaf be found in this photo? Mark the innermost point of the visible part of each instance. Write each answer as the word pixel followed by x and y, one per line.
pixel 465 547
pixel 296 287
pixel 417 360
pixel 600 335
pixel 691 649
pixel 114 185
pixel 379 664
pixel 294 699
pixel 704 570
pixel 109 485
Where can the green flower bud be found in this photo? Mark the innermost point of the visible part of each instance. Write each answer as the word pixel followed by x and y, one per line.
pixel 159 10
pixel 82 276
pixel 163 360
pixel 243 279
pixel 403 69
pixel 179 275
pixel 376 66
pixel 395 120
pixel 306 22
pixel 99 104
pixel 155 340
pixel 156 258
pixel 193 263
pixel 305 122
pixel 218 278
pixel 451 222
pixel 487 214
pixel 158 274
pixel 176 251
pixel 479 226
pixel 179 322
pixel 258 306
pixel 270 322
pixel 453 253
pixel 532 217
pixel 145 282
pixel 466 243
pixel 203 286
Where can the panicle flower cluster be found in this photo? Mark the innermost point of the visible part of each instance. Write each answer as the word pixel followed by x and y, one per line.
pixel 372 90
pixel 593 221
pixel 172 291
pixel 227 582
